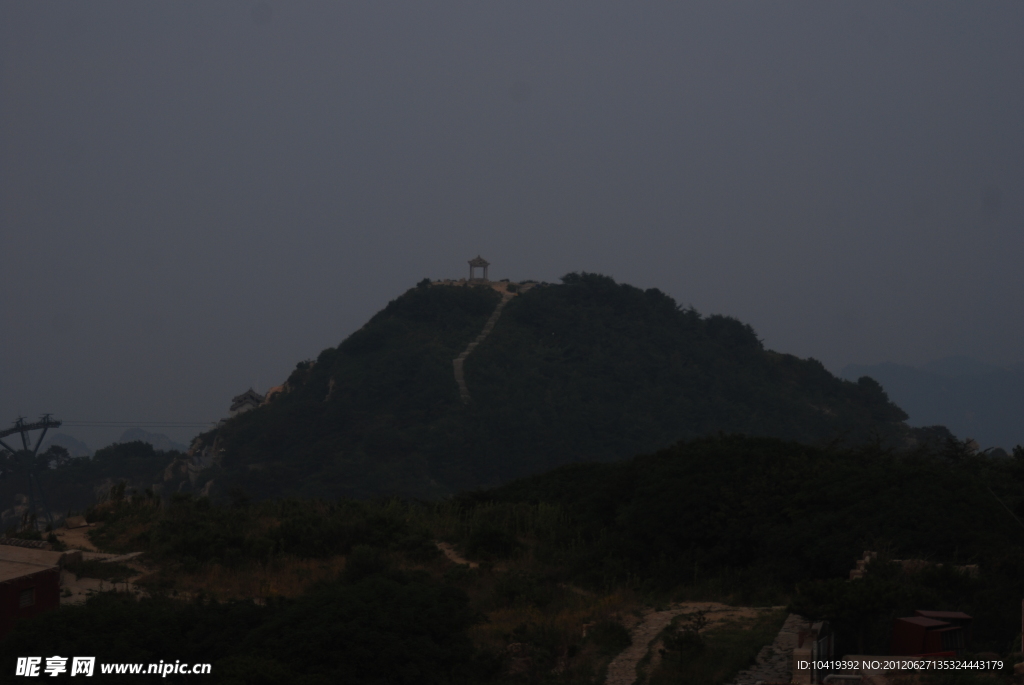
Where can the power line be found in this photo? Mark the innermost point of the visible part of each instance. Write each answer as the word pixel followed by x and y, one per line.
pixel 141 424
pixel 1006 507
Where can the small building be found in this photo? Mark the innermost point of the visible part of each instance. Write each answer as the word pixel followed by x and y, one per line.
pixel 29 583
pixel 249 399
pixel 478 262
pixel 930 633
pixel 956 618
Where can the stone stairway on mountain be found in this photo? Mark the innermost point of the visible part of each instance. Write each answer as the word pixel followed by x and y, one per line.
pixel 457 363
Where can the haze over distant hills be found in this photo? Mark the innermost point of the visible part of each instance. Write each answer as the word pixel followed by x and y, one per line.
pixel 78 448
pixel 74 446
pixel 159 441
pixel 583 371
pixel 971 398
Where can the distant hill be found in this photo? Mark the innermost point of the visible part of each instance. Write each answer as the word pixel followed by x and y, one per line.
pixel 143 460
pixel 80 483
pixel 583 371
pixel 159 441
pixel 971 398
pixel 74 446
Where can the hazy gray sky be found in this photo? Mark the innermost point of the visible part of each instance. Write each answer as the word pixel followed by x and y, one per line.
pixel 196 195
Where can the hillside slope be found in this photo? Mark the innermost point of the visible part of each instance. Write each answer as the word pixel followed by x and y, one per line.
pixel 587 370
pixel 972 399
pixel 746 517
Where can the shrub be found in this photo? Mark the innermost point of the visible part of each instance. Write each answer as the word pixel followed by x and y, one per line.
pixel 609 637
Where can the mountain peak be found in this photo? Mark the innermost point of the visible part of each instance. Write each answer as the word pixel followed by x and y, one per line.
pixel 585 370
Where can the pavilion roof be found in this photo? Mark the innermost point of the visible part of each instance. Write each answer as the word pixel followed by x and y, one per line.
pixel 250 396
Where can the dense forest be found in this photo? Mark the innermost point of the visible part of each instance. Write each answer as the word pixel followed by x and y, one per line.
pixel 747 521
pixel 588 370
pixel 758 520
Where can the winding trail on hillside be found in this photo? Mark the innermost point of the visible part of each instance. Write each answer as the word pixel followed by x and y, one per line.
pixel 457 363
pixel 622 669
pixel 449 551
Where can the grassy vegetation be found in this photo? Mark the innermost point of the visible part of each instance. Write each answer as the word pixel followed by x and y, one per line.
pixel 739 519
pixel 388 627
pixel 715 655
pixel 762 522
pixel 281 551
pixel 94 568
pixel 566 559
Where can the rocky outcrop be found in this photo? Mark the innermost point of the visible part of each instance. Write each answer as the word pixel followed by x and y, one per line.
pixel 774 663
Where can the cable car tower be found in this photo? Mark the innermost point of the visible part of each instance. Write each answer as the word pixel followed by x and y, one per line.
pixel 24 460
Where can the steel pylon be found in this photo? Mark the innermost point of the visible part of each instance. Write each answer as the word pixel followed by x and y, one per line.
pixel 27 456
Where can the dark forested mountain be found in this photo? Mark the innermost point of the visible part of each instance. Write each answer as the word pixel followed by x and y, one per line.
pixel 973 399
pixel 583 371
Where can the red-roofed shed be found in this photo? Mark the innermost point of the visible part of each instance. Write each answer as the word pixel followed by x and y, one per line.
pixel 29 584
pixel 930 632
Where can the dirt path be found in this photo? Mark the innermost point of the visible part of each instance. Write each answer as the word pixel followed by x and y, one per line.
pixel 454 556
pixel 75 590
pixel 622 669
pixel 76 538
